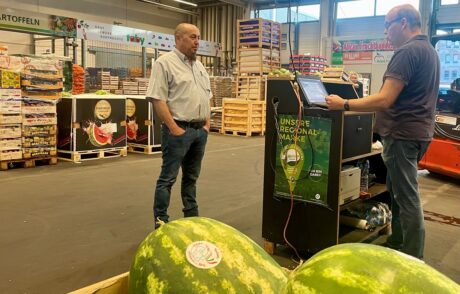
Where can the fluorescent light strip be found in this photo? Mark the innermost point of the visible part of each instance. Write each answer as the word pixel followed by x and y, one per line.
pixel 186 2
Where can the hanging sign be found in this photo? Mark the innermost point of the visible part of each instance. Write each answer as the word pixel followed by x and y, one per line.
pixel 91 30
pixel 33 22
pixel 367 51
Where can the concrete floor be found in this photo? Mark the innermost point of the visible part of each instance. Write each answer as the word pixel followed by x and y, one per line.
pixel 67 226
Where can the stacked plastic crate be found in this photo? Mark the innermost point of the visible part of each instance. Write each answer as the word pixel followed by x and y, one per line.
pixel 307 64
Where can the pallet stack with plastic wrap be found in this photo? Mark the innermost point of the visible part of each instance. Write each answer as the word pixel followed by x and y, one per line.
pixel 10 118
pixel 41 90
pixel 28 110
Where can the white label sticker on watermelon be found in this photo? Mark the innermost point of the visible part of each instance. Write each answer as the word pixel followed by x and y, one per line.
pixel 202 254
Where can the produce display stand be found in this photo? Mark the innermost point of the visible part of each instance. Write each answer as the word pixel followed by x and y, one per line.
pixel 91 127
pixel 143 127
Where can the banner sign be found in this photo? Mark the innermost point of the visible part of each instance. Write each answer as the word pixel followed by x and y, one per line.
pixel 361 51
pixel 382 57
pixel 33 22
pixel 90 30
pixel 357 58
pixel 302 169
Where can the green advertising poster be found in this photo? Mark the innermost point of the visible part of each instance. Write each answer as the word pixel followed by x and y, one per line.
pixel 302 164
pixel 337 58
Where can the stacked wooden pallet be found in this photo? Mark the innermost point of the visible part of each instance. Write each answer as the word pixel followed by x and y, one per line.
pixel 251 87
pixel 143 85
pixel 258 46
pixel 129 87
pixel 216 119
pixel 243 117
pixel 105 81
pixel 221 87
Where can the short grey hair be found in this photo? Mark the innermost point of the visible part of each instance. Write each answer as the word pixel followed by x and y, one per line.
pixel 410 13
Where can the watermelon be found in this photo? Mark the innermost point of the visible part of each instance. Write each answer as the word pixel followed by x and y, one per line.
pixel 201 255
pixel 97 136
pixel 366 268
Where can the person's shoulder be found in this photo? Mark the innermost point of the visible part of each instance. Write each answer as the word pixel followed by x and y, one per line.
pixel 167 57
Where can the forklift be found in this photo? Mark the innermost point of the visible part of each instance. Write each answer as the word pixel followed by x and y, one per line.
pixel 443 154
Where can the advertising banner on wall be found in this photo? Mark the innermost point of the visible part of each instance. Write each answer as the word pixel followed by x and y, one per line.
pixel 90 30
pixel 361 51
pixel 381 57
pixel 34 22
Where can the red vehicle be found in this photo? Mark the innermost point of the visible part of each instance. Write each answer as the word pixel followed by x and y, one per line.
pixel 443 154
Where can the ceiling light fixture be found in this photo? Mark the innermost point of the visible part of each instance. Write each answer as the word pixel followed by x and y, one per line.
pixel 187 2
pixel 169 7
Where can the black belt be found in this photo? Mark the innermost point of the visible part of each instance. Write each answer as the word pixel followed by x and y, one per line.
pixel 190 124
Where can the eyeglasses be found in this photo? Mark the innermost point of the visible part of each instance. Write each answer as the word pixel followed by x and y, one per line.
pixel 388 24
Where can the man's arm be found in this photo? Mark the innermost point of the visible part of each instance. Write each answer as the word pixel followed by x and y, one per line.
pixel 162 110
pixel 380 101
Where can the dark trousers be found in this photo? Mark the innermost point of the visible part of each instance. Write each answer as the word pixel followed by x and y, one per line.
pixel 184 151
pixel 401 158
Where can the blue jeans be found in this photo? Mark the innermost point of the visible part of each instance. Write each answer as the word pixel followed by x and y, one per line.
pixel 401 158
pixel 184 151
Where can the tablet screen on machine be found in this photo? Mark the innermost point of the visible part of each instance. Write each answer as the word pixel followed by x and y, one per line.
pixel 313 89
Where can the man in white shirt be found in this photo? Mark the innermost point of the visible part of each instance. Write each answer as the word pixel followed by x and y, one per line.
pixel 180 90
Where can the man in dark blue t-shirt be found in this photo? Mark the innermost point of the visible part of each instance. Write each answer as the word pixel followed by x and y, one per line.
pixel 405 107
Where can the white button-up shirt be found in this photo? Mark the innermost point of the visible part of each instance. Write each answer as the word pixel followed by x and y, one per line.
pixel 185 87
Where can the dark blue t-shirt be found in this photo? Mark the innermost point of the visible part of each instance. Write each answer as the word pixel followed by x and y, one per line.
pixel 411 117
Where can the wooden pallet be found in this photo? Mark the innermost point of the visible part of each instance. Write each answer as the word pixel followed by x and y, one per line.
pixel 243 133
pixel 243 117
pixel 79 156
pixel 26 163
pixel 144 149
pixel 251 88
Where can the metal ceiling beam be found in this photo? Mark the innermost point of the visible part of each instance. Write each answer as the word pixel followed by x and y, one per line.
pixel 171 8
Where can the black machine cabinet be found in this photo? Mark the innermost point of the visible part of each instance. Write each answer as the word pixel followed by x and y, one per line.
pixel 313 226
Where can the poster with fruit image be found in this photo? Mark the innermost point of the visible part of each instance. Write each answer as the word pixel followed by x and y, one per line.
pixel 142 125
pixel 101 123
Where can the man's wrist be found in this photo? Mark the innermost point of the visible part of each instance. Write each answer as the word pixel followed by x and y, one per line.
pixel 346 105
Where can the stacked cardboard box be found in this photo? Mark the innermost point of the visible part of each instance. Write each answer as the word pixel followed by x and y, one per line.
pixel 41 90
pixel 10 116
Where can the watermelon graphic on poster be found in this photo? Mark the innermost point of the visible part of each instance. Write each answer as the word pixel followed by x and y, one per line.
pixel 302 160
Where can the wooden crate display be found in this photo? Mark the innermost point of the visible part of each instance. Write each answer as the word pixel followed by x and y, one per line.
pixel 251 88
pixel 243 117
pixel 254 61
pixel 258 32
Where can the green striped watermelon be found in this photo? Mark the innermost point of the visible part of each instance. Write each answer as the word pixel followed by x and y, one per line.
pixel 365 268
pixel 201 255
